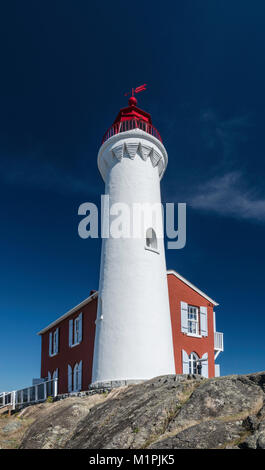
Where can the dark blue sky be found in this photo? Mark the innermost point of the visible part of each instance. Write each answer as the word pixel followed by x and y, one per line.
pixel 65 66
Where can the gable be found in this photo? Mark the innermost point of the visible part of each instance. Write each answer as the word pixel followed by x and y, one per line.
pixel 184 281
pixel 69 313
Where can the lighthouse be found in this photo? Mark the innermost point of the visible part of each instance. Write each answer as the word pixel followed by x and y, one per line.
pixel 133 339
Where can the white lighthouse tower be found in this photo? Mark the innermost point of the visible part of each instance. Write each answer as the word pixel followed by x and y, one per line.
pixel 133 327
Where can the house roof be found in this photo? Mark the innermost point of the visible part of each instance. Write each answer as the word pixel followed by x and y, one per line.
pixel 70 312
pixel 95 294
pixel 188 283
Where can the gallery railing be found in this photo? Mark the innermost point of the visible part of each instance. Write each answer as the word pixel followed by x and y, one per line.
pixel 128 125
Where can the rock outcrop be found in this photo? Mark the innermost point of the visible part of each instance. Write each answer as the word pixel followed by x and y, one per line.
pixel 167 412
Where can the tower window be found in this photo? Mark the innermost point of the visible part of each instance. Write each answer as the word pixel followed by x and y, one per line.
pixel 151 240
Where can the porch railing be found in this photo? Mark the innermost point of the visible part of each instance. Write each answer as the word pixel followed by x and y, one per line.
pixel 25 396
pixel 218 341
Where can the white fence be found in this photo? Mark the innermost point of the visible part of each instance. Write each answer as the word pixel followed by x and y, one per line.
pixel 34 394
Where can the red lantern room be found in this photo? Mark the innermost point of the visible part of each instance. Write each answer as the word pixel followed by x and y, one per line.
pixel 129 118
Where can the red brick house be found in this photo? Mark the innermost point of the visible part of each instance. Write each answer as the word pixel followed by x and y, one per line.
pixel 68 343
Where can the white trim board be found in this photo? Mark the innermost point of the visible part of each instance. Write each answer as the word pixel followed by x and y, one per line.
pixel 70 312
pixel 171 271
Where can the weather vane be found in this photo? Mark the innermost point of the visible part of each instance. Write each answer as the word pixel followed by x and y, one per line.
pixel 136 90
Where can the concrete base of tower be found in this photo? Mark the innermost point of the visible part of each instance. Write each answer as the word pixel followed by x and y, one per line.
pixel 114 384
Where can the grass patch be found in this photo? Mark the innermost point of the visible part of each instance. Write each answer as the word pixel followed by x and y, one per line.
pixel 136 430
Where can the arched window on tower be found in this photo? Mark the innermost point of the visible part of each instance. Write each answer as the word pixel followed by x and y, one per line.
pixel 151 240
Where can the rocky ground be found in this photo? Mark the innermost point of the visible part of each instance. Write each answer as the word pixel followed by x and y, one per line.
pixel 168 412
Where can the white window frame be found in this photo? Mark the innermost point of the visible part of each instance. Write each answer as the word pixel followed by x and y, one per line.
pixel 151 242
pixel 76 330
pixel 193 321
pixel 70 379
pixel 193 364
pixel 54 343
pixel 54 338
pixel 77 377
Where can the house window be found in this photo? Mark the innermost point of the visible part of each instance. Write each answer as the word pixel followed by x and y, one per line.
pixel 76 374
pixel 54 342
pixel 50 383
pixel 193 320
pixel 55 374
pixel 151 240
pixel 75 330
pixel 75 378
pixel 194 364
pixel 70 379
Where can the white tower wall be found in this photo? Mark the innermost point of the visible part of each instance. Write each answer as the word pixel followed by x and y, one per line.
pixel 133 328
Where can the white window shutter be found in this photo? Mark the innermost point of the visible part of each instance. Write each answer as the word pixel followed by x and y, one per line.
pixel 80 327
pixel 204 364
pixel 185 362
pixel 217 370
pixel 204 321
pixel 184 317
pixel 56 341
pixel 80 376
pixel 70 332
pixel 53 386
pixel 75 330
pixel 50 344
pixel 49 385
pixel 70 380
pixel 75 377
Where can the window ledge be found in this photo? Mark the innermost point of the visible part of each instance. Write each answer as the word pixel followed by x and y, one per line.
pixel 75 344
pixel 151 249
pixel 194 335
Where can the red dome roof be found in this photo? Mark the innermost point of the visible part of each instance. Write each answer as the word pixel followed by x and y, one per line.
pixel 132 112
pixel 129 118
